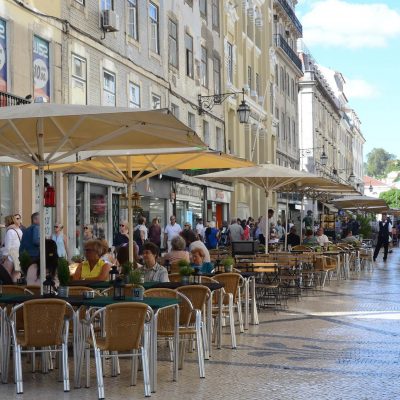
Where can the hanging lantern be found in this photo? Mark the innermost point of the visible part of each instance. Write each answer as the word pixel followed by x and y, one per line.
pixel 113 274
pixel 119 289
pixel 50 196
pixel 136 200
pixel 49 287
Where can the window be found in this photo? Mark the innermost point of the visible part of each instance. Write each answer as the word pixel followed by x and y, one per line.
pixel 192 121
pixel 108 88
pixel 283 121
pixel 289 133
pixel 203 8
pixel 189 55
pixel 107 5
pixel 258 84
pixel 249 77
pixel 204 67
pixel 175 110
pixel 155 101
pixel 282 80
pixel 276 75
pixel 134 95
pixel 217 75
pixel 215 14
pixel 206 133
pixel 271 97
pixel 292 85
pixel 229 49
pixel 172 43
pixel 78 80
pixel 219 139
pixel 154 28
pixel 81 2
pixel 133 19
pixel 294 132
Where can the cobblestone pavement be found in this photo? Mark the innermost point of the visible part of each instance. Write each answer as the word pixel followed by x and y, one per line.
pixel 342 342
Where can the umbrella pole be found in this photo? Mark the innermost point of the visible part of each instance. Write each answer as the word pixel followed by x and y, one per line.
pixel 130 211
pixel 287 215
pixel 301 218
pixel 267 221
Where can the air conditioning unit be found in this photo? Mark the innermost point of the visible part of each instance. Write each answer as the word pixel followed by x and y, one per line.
pixel 110 21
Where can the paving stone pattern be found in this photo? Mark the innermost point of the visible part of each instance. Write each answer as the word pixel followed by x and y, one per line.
pixel 342 342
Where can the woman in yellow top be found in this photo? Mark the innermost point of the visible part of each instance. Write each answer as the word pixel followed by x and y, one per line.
pixel 94 268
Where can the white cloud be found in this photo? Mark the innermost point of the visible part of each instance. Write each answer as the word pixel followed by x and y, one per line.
pixel 344 24
pixel 360 89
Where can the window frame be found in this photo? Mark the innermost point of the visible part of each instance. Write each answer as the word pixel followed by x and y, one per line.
pixel 175 39
pixel 229 47
pixel 215 15
pixel 204 74
pixel 156 23
pixel 77 78
pixel 133 5
pixel 203 14
pixel 189 56
pixel 103 2
pixel 132 103
pixel 105 90
pixel 217 73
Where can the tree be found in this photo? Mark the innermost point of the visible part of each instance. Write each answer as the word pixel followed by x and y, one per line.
pixel 377 162
pixel 392 198
pixel 393 165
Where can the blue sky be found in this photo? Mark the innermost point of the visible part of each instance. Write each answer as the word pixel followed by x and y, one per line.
pixel 361 39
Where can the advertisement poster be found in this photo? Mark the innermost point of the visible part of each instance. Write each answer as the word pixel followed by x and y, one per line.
pixel 41 68
pixel 3 56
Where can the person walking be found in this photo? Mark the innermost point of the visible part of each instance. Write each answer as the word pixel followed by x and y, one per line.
pixel 30 241
pixel 141 234
pixel 12 240
pixel 155 232
pixel 385 230
pixel 171 230
pixel 122 237
pixel 60 239
pixel 235 231
pixel 211 236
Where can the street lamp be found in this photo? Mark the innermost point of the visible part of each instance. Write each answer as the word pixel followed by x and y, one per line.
pixel 208 102
pixel 350 178
pixel 323 157
pixel 371 189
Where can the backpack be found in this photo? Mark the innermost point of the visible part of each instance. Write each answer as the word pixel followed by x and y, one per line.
pixel 136 236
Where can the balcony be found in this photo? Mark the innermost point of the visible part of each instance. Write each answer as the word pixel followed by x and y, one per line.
pixel 279 41
pixel 289 11
pixel 7 100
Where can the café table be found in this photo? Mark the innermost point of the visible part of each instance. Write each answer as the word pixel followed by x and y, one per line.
pixel 80 331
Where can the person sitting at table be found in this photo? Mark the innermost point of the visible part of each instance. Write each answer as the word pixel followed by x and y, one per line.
pixel 33 273
pixel 8 275
pixel 94 268
pixel 178 251
pixel 197 256
pixel 293 239
pixel 310 239
pixel 322 238
pixel 193 242
pixel 123 256
pixel 349 238
pixel 153 271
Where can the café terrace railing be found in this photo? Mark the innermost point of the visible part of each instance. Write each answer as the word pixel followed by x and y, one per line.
pixel 8 99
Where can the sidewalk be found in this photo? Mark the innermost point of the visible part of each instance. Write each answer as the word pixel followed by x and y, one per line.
pixel 339 343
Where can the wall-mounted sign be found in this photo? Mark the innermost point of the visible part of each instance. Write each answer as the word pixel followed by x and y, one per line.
pixel 3 55
pixel 219 196
pixel 189 193
pixel 41 68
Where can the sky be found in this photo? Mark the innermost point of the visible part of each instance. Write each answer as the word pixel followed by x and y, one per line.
pixel 360 39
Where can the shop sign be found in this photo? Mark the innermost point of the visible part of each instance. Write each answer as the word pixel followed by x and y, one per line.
pixel 219 196
pixel 189 193
pixel 41 68
pixel 3 56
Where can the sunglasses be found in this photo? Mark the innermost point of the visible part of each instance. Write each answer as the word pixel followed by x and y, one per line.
pixel 121 225
pixel 56 226
pixel 17 218
pixel 89 250
pixel 85 227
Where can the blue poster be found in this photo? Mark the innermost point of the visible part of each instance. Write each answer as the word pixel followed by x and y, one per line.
pixel 41 68
pixel 3 55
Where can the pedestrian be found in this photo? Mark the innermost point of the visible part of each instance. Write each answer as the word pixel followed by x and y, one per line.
pixel 141 234
pixel 171 230
pixel 224 234
pixel 30 241
pixel 246 230
pixel 155 232
pixel 308 221
pixel 355 226
pixel 122 237
pixel 235 231
pixel 280 230
pixel 12 240
pixel 211 236
pixel 293 239
pixel 60 239
pixel 88 233
pixel 200 228
pixel 385 230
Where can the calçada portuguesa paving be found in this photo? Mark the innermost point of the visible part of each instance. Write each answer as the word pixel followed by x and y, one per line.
pixel 342 342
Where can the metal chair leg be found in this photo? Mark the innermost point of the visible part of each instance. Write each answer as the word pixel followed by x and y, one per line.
pixel 99 373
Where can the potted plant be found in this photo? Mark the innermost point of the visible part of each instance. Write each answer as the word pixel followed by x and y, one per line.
pixel 64 276
pixel 185 271
pixel 135 278
pixel 228 264
pixel 126 269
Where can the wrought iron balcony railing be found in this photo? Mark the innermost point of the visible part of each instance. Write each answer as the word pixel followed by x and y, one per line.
pixel 289 11
pixel 283 44
pixel 8 99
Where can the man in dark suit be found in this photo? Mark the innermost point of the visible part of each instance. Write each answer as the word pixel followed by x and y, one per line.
pixel 385 230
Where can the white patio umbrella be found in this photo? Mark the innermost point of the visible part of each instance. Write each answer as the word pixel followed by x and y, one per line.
pixel 364 203
pixel 41 134
pixel 270 177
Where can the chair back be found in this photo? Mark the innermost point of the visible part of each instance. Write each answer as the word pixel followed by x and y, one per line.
pixel 231 281
pixel 174 277
pixel 13 289
pixel 198 296
pixel 34 289
pixel 124 324
pixel 302 247
pixel 174 268
pixel 79 290
pixel 43 322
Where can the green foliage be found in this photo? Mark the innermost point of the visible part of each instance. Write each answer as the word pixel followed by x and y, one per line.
pixel 77 259
pixel 186 271
pixel 135 276
pixel 183 263
pixel 392 198
pixel 63 272
pixel 393 165
pixel 365 226
pixel 25 261
pixel 377 162
pixel 228 261
pixel 126 268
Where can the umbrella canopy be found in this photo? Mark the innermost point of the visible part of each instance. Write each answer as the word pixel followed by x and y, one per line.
pixel 42 133
pixel 359 202
pixel 270 177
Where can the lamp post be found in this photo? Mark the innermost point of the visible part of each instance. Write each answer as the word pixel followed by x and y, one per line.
pixel 208 102
pixel 323 158
pixel 351 178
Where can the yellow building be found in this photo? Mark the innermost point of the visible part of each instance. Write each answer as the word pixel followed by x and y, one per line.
pixel 247 42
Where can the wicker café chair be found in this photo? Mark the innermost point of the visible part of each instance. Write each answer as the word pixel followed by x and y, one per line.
pixel 191 310
pixel 175 277
pixel 46 329
pixel 124 324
